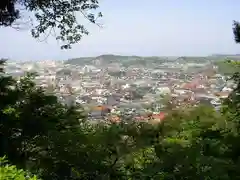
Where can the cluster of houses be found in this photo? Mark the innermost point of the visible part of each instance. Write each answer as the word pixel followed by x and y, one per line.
pixel 110 90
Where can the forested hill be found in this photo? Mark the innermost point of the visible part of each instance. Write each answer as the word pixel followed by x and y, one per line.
pixel 111 58
pixel 124 60
pixel 226 56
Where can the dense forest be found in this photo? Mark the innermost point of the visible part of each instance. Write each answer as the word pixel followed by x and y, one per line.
pixel 42 139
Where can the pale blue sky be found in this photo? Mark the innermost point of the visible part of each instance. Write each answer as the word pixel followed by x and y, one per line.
pixel 141 27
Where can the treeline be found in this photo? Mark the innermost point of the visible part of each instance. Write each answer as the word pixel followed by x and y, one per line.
pixel 44 138
pixel 226 67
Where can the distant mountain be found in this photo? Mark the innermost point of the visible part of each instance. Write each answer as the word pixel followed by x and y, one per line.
pixel 192 59
pixel 142 60
pixel 110 58
pixel 80 60
pixel 226 55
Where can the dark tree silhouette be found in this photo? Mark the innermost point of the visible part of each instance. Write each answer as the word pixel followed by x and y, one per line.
pixel 56 17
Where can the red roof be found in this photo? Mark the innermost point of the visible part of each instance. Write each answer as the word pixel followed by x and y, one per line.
pixel 115 118
pixel 160 116
pixel 139 118
pixel 100 108
pixel 189 86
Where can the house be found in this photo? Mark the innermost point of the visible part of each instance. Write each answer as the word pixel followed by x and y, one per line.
pixel 159 116
pixel 114 119
pixel 99 111
pixel 112 100
pixel 223 94
pixel 156 118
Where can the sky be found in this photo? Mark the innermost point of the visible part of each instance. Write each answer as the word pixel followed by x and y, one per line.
pixel 140 27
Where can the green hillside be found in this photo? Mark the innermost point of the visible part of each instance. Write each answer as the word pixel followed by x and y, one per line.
pixel 124 60
pixel 147 60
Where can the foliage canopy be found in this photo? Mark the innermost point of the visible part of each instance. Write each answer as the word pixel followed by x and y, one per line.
pixel 52 17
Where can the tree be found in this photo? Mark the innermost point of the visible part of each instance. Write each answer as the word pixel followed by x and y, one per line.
pixel 27 117
pixel 50 15
pixel 2 61
pixel 226 67
pixel 236 31
pixel 11 172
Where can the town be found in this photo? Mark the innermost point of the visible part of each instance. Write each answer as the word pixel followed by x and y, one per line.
pixel 143 88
